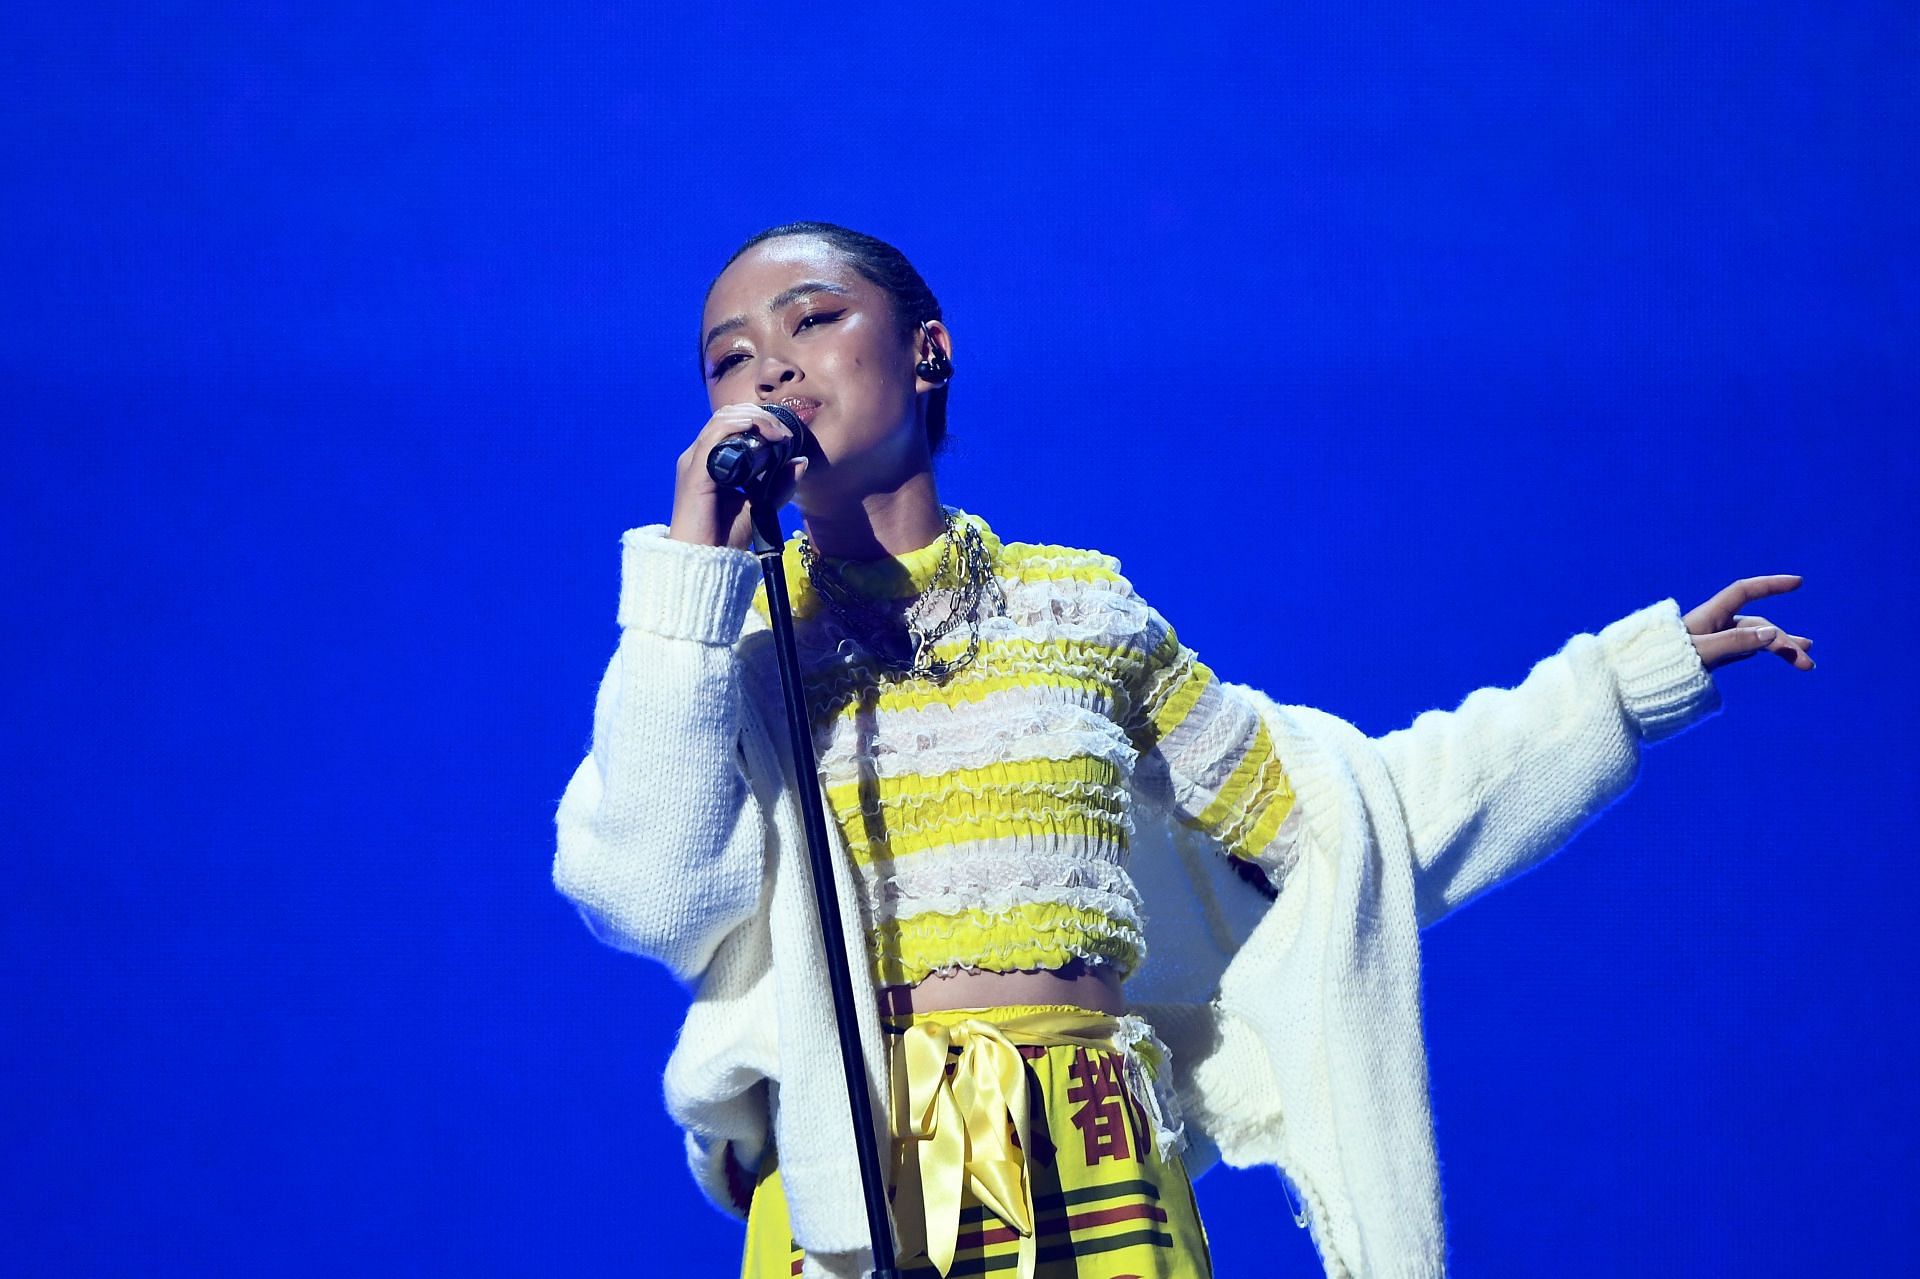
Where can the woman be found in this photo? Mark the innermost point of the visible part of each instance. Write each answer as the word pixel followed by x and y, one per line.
pixel 1016 751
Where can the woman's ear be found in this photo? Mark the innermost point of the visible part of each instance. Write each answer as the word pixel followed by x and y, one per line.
pixel 934 334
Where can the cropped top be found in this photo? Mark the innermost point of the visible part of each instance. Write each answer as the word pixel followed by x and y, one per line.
pixel 989 814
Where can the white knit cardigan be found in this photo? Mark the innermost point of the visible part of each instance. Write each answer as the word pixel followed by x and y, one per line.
pixel 1294 1026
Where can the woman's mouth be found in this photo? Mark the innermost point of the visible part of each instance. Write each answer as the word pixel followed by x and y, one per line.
pixel 801 408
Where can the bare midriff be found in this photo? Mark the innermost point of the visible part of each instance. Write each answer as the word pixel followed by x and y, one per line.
pixel 1092 986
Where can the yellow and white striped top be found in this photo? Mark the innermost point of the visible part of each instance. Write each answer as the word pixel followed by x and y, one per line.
pixel 989 815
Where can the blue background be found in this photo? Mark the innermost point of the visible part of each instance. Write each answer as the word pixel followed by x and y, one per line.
pixel 340 343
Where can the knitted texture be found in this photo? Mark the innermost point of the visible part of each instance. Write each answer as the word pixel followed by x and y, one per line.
pixel 660 838
pixel 1293 1029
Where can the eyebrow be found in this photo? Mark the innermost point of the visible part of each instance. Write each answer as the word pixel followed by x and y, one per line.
pixel 803 289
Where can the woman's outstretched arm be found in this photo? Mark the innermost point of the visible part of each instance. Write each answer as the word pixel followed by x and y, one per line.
pixel 661 841
pixel 1493 787
pixel 1206 753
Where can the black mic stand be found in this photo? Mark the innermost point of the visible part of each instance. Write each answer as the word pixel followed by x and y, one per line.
pixel 768 542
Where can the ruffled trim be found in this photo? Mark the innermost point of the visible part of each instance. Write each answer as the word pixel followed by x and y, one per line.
pixel 1125 954
pixel 1049 935
pixel 1052 556
pixel 1149 1063
pixel 1075 610
pixel 1001 665
pixel 1278 858
pixel 891 841
pixel 1182 671
pixel 1119 902
pixel 1220 757
pixel 983 870
pixel 895 576
pixel 1052 608
pixel 1270 784
pixel 963 799
pixel 937 738
pixel 1047 819
pixel 1203 753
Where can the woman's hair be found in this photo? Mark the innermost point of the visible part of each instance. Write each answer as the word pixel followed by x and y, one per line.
pixel 913 302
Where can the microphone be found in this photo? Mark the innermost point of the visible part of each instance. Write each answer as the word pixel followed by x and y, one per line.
pixel 743 459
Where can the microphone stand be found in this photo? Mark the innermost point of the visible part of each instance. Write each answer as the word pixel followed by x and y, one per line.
pixel 768 542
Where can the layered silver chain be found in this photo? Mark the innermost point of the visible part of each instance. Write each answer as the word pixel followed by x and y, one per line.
pixel 955 594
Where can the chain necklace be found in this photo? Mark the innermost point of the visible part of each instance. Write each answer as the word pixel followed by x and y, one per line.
pixel 952 595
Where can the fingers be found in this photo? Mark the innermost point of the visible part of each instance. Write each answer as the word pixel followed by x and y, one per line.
pixel 1771 584
pixel 732 419
pixel 795 470
pixel 735 418
pixel 727 420
pixel 1721 611
pixel 1793 650
pixel 1754 620
pixel 1757 588
pixel 1753 634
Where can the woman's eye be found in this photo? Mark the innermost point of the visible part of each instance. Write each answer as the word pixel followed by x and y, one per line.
pixel 818 317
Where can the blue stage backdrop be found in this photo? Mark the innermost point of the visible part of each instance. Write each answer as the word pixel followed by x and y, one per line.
pixel 341 342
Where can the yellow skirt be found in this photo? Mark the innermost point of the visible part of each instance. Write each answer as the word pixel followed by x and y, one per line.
pixel 1022 1146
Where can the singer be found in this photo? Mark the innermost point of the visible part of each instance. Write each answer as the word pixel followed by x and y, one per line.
pixel 1041 800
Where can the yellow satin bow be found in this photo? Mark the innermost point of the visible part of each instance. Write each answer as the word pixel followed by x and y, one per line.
pixel 969 1128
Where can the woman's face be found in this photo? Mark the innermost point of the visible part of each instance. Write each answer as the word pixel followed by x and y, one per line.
pixel 791 320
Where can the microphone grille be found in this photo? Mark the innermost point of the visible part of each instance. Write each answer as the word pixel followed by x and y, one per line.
pixel 787 418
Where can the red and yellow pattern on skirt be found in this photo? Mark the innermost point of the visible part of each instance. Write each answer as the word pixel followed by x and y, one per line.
pixel 1105 1204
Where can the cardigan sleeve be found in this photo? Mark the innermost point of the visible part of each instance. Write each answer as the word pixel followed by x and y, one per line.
pixel 660 839
pixel 1207 755
pixel 1495 786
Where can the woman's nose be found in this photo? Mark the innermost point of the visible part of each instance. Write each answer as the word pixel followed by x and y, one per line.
pixel 775 373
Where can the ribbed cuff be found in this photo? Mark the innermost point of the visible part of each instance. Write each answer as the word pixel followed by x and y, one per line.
pixel 1663 683
pixel 684 590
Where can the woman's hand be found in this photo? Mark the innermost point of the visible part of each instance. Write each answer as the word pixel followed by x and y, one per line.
pixel 713 514
pixel 1721 634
